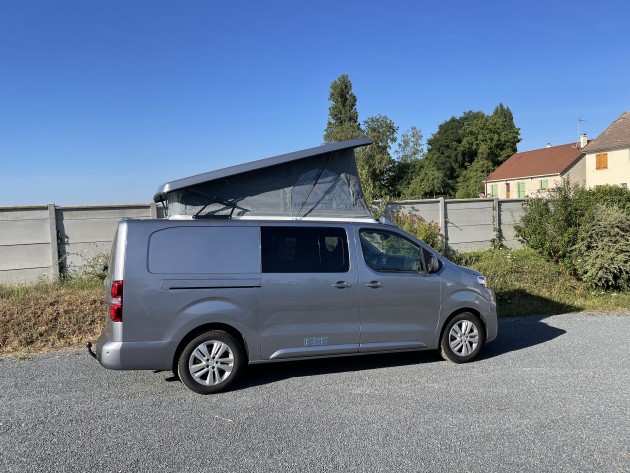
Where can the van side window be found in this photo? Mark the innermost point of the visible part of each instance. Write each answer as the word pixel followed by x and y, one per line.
pixel 304 250
pixel 387 251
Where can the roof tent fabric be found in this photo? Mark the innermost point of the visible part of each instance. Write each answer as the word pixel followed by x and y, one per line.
pixel 318 182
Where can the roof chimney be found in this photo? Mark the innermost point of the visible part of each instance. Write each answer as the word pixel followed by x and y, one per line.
pixel 549 145
pixel 583 140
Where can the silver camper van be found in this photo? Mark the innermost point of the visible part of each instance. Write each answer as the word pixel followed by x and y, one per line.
pixel 278 260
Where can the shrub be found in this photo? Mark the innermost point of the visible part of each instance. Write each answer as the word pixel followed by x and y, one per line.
pixel 556 226
pixel 428 232
pixel 550 225
pixel 603 249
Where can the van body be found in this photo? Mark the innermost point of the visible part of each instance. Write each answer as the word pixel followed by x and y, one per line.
pixel 206 297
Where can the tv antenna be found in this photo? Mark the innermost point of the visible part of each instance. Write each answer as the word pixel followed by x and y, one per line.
pixel 579 122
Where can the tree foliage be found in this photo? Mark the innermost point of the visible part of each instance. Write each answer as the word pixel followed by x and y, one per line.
pixel 461 141
pixel 570 227
pixel 375 161
pixel 603 249
pixel 343 117
pixel 470 182
pixel 459 156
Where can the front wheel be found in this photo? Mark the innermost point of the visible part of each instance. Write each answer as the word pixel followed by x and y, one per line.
pixel 463 338
pixel 210 362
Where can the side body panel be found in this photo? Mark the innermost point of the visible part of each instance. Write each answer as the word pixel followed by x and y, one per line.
pixel 167 295
pixel 399 310
pixel 310 314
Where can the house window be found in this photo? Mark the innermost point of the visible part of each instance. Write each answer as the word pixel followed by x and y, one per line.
pixel 601 161
pixel 494 190
pixel 624 185
pixel 507 190
pixel 521 190
pixel 544 184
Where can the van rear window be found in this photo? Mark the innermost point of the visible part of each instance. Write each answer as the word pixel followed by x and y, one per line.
pixel 304 250
pixel 205 250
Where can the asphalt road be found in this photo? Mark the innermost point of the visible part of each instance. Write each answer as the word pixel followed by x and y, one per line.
pixel 550 394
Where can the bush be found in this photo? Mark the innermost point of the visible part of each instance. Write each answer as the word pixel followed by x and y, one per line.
pixel 428 232
pixel 603 249
pixel 555 224
pixel 550 225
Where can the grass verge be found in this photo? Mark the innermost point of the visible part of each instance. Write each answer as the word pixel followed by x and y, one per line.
pixel 48 316
pixel 527 284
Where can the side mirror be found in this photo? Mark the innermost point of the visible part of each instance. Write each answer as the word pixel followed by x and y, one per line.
pixel 434 264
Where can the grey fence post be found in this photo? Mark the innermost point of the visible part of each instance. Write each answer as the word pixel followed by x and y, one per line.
pixel 153 210
pixel 497 221
pixel 54 249
pixel 443 227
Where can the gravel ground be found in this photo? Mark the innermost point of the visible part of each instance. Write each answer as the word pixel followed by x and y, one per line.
pixel 550 394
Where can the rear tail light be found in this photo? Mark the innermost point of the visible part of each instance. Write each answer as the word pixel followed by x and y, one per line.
pixel 116 301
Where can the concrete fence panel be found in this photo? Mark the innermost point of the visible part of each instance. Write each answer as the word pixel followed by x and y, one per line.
pixel 89 231
pixel 34 240
pixel 470 224
pixel 510 213
pixel 25 244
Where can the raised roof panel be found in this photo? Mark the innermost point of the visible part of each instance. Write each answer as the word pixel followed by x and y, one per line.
pixel 315 182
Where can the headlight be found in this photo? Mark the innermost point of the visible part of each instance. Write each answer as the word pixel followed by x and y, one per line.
pixel 482 281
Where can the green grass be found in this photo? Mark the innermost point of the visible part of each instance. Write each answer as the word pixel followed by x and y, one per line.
pixel 527 284
pixel 48 316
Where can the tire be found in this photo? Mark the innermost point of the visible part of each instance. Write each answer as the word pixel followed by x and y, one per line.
pixel 463 337
pixel 211 362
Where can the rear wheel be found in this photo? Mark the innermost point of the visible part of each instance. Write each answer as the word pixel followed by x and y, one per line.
pixel 210 362
pixel 463 338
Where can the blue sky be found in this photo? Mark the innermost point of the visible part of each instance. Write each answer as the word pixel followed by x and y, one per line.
pixel 102 101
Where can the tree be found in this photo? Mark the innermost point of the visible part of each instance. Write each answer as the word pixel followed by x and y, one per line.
pixel 407 163
pixel 375 161
pixel 462 141
pixel 410 146
pixel 445 151
pixel 427 181
pixel 470 182
pixel 343 117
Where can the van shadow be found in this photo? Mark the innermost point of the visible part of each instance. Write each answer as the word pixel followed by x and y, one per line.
pixel 519 302
pixel 518 333
pixel 515 333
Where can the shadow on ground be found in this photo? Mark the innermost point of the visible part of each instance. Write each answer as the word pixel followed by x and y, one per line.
pixel 515 333
pixel 519 302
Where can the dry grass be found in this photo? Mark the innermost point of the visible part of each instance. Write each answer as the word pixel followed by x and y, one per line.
pixel 48 316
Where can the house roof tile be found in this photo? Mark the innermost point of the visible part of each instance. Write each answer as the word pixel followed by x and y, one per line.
pixel 539 162
pixel 616 136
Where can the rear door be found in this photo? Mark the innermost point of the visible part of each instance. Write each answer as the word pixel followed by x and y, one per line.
pixel 400 301
pixel 310 298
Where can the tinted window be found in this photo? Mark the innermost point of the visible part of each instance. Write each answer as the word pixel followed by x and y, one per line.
pixel 387 251
pixel 304 250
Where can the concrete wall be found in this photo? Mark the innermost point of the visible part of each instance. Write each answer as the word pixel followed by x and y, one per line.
pixel 467 224
pixel 35 240
pixel 27 241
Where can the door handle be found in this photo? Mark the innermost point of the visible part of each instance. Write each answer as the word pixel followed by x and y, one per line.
pixel 374 284
pixel 342 284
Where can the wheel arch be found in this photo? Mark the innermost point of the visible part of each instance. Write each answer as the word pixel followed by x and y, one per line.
pixel 206 328
pixel 461 310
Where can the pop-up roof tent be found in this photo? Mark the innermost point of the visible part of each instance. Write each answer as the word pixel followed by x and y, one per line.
pixel 315 182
